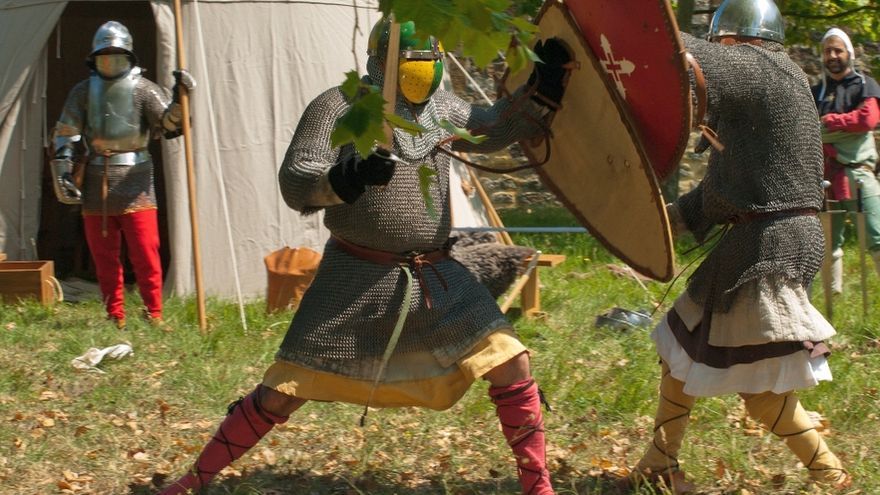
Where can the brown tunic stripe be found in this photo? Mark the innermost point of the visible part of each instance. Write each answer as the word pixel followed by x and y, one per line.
pixel 696 343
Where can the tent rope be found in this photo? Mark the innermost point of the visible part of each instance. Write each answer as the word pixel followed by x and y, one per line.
pixel 220 179
pixel 470 79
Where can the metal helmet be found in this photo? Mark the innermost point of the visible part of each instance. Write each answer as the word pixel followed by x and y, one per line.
pixel 420 66
pixel 750 18
pixel 112 34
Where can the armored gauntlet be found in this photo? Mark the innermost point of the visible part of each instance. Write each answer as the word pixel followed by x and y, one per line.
pixel 62 180
pixel 182 77
pixel 171 122
pixel 350 178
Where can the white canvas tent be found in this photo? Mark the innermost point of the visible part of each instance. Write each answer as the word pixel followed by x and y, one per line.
pixel 258 64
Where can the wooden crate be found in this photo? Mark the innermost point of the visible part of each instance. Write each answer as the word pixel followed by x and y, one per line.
pixel 27 280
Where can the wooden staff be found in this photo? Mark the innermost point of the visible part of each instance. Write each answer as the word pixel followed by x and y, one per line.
pixel 825 216
pixel 389 85
pixel 190 171
pixel 862 238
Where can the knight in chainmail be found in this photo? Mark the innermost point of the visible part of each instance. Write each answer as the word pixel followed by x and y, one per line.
pixel 745 324
pixel 390 320
pixel 109 119
pixel 848 106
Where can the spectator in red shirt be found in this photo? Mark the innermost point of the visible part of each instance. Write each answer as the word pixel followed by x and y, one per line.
pixel 848 105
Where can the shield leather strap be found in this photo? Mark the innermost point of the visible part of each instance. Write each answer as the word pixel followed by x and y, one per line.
pixel 702 103
pixel 702 95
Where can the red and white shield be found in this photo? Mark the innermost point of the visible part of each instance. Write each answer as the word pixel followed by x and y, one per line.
pixel 624 120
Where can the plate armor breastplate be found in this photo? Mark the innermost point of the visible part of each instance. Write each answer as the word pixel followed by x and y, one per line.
pixel 115 122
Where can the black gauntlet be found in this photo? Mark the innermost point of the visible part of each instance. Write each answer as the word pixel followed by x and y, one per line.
pixel 350 178
pixel 548 76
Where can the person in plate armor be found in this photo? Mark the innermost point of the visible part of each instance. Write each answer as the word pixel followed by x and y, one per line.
pixel 745 324
pixel 390 320
pixel 848 105
pixel 111 117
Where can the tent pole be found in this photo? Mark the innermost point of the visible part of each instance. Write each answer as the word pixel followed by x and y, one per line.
pixel 491 212
pixel 190 172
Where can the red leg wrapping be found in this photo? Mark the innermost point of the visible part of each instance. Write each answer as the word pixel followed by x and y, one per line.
pixel 518 407
pixel 243 427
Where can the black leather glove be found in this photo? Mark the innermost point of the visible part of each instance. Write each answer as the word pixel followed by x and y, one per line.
pixel 549 74
pixel 182 77
pixel 350 178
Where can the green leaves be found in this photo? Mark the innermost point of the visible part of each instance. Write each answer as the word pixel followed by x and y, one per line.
pixel 407 125
pixel 426 174
pixel 461 133
pixel 481 29
pixel 518 56
pixel 361 125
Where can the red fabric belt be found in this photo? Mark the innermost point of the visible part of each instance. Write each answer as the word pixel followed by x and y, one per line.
pixel 416 261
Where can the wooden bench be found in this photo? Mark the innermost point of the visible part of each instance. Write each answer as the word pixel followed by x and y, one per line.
pixel 530 297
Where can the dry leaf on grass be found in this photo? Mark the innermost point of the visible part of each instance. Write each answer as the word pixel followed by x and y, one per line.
pixel 720 469
pixel 821 423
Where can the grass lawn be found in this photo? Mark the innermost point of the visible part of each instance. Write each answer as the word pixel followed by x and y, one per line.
pixel 147 417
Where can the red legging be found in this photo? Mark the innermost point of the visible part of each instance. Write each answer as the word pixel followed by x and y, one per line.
pixel 141 232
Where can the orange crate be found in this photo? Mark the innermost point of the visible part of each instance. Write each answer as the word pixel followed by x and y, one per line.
pixel 27 280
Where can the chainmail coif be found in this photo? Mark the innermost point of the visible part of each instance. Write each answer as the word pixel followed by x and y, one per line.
pixel 761 107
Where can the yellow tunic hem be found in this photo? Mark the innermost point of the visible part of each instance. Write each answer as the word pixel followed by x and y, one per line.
pixel 438 392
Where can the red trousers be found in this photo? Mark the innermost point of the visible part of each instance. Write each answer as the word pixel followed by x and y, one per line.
pixel 141 232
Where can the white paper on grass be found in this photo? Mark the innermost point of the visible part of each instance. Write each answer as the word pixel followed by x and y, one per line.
pixel 89 361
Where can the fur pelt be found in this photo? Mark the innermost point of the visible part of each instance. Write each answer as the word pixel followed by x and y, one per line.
pixel 494 264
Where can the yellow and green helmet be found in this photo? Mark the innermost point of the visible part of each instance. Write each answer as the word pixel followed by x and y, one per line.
pixel 420 66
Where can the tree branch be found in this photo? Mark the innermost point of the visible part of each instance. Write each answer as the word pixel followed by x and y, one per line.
pixel 845 13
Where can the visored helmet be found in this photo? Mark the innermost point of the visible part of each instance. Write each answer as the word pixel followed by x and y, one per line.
pixel 751 18
pixel 420 66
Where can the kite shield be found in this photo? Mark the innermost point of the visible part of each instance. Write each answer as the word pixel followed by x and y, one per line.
pixel 600 166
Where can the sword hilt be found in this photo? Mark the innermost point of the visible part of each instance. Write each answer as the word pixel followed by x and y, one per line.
pixel 825 186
